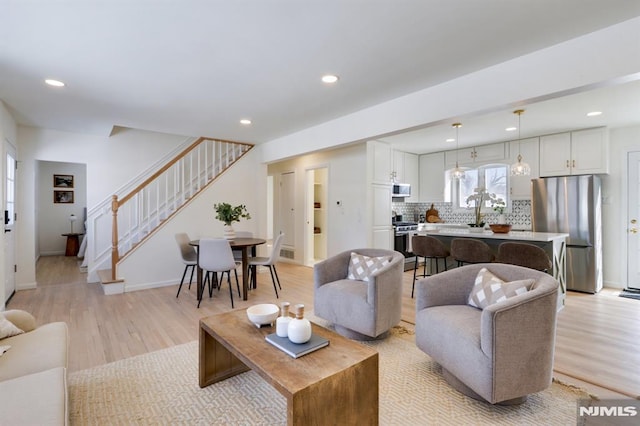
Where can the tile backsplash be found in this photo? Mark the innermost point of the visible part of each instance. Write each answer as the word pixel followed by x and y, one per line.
pixel 519 216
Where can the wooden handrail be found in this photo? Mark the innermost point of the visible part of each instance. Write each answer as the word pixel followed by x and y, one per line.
pixel 164 168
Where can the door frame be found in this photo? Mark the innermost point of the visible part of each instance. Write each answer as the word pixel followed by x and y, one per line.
pixel 631 284
pixel 9 253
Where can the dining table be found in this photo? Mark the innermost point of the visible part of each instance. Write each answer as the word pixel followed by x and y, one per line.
pixel 241 244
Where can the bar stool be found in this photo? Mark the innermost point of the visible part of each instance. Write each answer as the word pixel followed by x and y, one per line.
pixel 523 254
pixel 470 250
pixel 429 248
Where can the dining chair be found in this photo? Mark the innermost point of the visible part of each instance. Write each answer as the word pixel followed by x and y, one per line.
pixel 269 262
pixel 189 257
pixel 237 255
pixel 216 256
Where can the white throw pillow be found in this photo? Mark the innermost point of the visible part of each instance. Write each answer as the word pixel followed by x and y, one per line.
pixel 489 289
pixel 362 267
pixel 7 328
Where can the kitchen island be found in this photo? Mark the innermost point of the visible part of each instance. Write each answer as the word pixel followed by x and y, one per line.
pixel 554 244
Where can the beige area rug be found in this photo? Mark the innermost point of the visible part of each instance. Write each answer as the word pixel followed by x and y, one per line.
pixel 162 388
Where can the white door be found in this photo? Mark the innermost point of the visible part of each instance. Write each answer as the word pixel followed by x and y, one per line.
pixel 633 225
pixel 287 208
pixel 9 218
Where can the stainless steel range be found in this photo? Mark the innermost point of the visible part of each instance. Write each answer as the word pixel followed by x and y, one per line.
pixel 403 231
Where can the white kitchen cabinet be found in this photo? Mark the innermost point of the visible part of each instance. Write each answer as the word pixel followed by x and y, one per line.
pixel 406 170
pixel 432 177
pixel 379 161
pixel 483 154
pixel 520 186
pixel 575 153
pixel 381 230
pixel 590 151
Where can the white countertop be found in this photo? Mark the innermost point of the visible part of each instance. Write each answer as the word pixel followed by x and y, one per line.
pixel 513 235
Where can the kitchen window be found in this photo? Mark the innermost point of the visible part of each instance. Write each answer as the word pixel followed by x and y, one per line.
pixel 493 177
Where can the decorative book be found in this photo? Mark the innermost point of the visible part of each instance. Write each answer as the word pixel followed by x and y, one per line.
pixel 296 350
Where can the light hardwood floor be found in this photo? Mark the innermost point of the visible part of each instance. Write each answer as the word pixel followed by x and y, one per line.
pixel 597 345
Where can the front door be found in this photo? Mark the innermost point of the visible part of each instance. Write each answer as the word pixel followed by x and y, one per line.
pixel 633 218
pixel 9 219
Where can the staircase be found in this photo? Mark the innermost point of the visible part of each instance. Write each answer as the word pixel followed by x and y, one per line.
pixel 119 225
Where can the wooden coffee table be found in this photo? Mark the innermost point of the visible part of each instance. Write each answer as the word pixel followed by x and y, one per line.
pixel 337 384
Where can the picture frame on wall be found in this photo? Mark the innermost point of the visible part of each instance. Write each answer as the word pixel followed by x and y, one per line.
pixel 63 181
pixel 63 197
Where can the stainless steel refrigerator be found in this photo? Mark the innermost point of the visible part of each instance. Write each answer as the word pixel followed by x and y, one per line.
pixel 572 205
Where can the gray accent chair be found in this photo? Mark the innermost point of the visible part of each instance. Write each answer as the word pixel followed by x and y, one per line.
pixel 499 354
pixel 359 310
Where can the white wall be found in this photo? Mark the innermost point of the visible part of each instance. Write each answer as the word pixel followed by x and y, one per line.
pixel 346 183
pixel 110 161
pixel 8 133
pixel 157 262
pixel 614 209
pixel 52 219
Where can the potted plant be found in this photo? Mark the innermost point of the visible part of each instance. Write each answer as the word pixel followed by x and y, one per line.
pixel 228 214
pixel 477 199
pixel 499 206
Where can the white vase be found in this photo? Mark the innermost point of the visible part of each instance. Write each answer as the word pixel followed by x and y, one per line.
pixel 229 232
pixel 299 330
pixel 282 322
pixel 502 219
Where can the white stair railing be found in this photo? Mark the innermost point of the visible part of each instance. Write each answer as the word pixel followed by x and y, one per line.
pixel 137 214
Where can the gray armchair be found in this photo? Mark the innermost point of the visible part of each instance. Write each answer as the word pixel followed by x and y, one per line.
pixel 499 354
pixel 359 310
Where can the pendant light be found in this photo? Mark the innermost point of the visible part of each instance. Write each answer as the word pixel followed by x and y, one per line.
pixel 520 168
pixel 457 173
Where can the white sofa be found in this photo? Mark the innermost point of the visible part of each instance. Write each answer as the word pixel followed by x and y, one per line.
pixel 33 373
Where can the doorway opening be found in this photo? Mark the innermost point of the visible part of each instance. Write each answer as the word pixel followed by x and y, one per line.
pixel 316 215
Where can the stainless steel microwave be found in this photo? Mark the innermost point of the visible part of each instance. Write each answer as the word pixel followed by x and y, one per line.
pixel 401 190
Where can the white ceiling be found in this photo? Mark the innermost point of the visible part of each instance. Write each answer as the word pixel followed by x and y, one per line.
pixel 196 67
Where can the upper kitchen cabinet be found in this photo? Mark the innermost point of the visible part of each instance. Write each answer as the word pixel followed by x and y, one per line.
pixel 379 161
pixel 432 184
pixel 476 155
pixel 576 153
pixel 520 186
pixel 406 170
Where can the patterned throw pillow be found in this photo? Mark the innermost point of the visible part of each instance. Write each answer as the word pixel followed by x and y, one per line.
pixel 7 328
pixel 489 289
pixel 362 267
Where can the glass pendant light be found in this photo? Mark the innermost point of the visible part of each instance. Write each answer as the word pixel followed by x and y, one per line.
pixel 457 173
pixel 520 168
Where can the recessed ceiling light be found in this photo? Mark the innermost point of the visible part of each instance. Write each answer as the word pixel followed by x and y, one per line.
pixel 55 83
pixel 329 78
pixel 450 140
pixel 245 121
pixel 594 113
pixel 511 129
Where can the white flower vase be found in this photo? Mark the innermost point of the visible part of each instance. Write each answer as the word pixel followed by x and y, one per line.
pixel 299 330
pixel 229 232
pixel 502 219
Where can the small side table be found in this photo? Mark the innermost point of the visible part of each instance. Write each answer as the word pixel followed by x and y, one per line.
pixel 73 243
